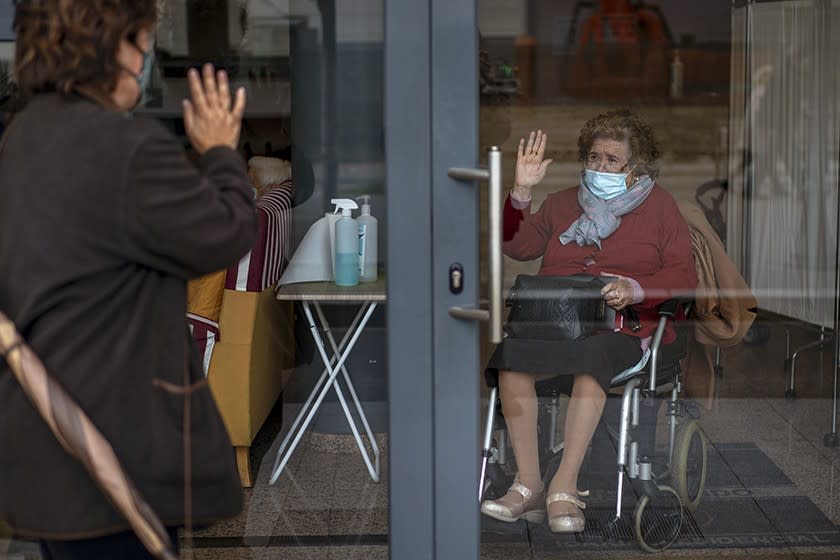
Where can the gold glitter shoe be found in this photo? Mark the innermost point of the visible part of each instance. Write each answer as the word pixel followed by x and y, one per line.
pixel 567 522
pixel 518 503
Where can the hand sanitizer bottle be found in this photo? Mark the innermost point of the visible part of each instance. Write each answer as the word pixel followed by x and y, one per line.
pixel 368 258
pixel 346 262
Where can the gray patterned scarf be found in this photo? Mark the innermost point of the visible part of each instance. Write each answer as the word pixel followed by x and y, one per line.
pixel 600 217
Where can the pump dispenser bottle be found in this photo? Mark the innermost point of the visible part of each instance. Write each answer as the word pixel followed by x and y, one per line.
pixel 346 261
pixel 368 258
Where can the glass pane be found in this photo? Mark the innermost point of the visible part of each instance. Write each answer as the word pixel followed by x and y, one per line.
pixel 312 132
pixel 313 71
pixel 743 101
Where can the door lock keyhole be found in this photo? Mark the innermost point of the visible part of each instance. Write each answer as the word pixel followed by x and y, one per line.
pixel 456 278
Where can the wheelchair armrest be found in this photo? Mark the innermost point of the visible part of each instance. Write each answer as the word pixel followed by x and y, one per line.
pixel 669 308
pixel 667 311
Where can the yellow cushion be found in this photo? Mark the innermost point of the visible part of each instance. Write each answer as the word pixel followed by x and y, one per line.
pixel 204 295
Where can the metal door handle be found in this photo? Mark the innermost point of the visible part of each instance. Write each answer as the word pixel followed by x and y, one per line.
pixel 493 176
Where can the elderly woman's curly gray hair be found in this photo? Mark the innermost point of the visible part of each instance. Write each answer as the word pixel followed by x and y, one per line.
pixel 621 125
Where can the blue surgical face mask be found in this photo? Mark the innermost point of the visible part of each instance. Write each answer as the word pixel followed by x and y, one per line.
pixel 605 185
pixel 145 75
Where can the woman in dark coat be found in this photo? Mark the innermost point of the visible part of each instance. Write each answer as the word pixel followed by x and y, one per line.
pixel 102 222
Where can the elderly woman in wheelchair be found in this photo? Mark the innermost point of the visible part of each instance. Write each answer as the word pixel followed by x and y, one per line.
pixel 618 224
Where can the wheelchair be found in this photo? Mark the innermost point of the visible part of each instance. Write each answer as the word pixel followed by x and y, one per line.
pixel 664 487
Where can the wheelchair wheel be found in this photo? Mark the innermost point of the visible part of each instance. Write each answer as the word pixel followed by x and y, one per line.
pixel 657 519
pixel 689 465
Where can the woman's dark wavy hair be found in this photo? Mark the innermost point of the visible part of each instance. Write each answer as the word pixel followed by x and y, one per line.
pixel 71 45
pixel 622 125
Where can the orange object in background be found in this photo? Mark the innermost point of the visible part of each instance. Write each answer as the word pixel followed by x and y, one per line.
pixel 622 52
pixel 620 21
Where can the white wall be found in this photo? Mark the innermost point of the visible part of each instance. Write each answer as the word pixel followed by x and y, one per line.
pixel 503 18
pixel 359 21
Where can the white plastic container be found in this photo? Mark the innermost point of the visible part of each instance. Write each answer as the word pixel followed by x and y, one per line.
pixel 368 242
pixel 346 258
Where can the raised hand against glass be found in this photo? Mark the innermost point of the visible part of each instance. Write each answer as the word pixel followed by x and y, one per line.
pixel 530 165
pixel 209 118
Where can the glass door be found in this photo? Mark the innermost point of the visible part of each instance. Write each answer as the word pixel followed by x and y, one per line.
pixel 305 395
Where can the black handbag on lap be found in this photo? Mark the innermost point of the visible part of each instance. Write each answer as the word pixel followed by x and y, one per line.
pixel 558 307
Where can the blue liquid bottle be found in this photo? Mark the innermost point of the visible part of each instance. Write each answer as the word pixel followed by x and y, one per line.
pixel 346 261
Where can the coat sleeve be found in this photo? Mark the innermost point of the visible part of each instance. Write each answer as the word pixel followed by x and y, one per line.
pixel 677 277
pixel 525 235
pixel 182 220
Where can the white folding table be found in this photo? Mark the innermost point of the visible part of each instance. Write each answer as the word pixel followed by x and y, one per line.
pixel 312 295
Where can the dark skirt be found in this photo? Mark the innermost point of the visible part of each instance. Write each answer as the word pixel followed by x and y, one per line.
pixel 601 355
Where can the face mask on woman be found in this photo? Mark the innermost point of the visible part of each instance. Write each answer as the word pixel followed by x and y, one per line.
pixel 145 74
pixel 605 185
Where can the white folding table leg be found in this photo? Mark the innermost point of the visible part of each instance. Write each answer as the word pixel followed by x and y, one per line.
pixel 373 469
pixel 333 371
pixel 324 374
pixel 368 306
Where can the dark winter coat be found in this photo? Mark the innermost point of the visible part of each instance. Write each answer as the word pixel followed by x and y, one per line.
pixel 102 222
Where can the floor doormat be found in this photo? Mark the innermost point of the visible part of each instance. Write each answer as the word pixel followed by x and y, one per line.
pixel 748 502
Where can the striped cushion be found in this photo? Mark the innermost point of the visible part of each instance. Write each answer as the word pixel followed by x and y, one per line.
pixel 263 265
pixel 205 333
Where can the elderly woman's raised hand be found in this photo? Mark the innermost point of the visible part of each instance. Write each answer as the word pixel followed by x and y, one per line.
pixel 209 119
pixel 530 165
